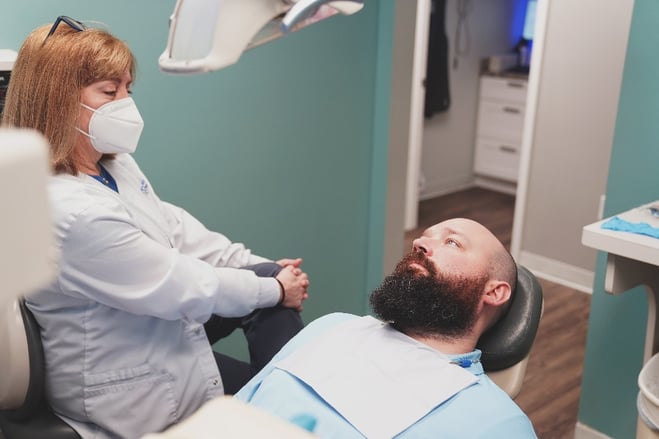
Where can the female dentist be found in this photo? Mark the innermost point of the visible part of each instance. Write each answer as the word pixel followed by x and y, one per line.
pixel 123 322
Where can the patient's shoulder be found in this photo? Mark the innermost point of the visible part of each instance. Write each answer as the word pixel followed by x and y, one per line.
pixel 497 415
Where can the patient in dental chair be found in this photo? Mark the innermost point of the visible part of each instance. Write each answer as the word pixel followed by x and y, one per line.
pixel 415 370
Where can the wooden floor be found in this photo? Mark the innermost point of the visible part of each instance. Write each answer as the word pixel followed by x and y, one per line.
pixel 550 393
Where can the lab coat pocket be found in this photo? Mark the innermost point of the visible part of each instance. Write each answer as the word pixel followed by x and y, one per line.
pixel 131 402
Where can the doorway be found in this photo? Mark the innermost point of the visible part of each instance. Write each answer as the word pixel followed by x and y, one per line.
pixel 442 146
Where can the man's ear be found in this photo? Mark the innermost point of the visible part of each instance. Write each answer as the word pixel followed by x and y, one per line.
pixel 497 293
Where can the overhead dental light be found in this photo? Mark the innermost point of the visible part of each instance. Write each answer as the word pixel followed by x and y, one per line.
pixel 206 35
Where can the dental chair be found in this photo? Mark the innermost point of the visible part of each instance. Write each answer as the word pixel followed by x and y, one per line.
pixel 506 346
pixel 24 411
pixel 505 352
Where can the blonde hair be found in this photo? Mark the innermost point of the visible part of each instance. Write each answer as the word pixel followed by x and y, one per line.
pixel 48 78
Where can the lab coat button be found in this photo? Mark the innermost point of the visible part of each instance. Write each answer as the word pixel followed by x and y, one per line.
pixel 215 382
pixel 197 331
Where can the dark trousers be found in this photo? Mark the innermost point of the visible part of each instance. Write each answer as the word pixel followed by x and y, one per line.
pixel 266 331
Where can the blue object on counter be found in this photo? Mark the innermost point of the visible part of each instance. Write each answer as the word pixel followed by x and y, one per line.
pixel 621 225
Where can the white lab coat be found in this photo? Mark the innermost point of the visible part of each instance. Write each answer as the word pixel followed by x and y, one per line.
pixel 122 322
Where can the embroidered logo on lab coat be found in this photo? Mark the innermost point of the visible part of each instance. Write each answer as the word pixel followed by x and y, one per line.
pixel 144 186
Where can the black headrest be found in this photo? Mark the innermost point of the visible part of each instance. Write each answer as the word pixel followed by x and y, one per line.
pixel 510 339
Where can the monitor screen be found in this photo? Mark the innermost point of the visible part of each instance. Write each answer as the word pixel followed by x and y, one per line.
pixel 529 20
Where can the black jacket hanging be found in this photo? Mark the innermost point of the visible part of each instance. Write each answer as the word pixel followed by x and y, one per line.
pixel 437 85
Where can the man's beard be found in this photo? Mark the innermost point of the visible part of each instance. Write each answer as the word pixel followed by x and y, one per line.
pixel 428 304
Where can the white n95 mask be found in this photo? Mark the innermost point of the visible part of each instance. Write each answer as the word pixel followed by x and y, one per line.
pixel 115 127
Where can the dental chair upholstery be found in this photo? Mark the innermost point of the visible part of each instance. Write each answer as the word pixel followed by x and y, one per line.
pixel 24 411
pixel 506 346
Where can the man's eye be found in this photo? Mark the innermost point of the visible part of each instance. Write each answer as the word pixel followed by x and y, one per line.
pixel 453 242
pixel 110 92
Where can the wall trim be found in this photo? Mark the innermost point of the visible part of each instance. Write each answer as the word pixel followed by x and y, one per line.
pixel 496 185
pixel 444 189
pixel 582 431
pixel 559 272
pixel 528 133
pixel 416 119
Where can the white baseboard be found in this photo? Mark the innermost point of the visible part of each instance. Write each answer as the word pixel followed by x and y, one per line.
pixel 496 185
pixel 582 431
pixel 559 272
pixel 437 190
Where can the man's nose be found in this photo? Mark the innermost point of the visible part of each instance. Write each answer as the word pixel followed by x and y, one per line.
pixel 420 245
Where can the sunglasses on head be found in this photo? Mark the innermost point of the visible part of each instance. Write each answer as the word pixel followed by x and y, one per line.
pixel 73 24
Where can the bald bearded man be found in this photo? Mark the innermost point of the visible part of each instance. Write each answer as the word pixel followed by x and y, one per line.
pixel 415 371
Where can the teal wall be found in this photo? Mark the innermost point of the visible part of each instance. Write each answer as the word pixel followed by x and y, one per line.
pixel 285 151
pixel 614 348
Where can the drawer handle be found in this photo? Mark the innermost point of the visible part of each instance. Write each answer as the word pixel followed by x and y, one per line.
pixel 508 149
pixel 516 84
pixel 512 110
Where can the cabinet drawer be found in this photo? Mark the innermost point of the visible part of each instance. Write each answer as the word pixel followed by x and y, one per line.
pixel 507 89
pixel 500 120
pixel 497 159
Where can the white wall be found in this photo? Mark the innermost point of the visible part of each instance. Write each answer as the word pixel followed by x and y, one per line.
pixel 448 138
pixel 576 93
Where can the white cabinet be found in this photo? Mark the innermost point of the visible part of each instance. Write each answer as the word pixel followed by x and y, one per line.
pixel 499 127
